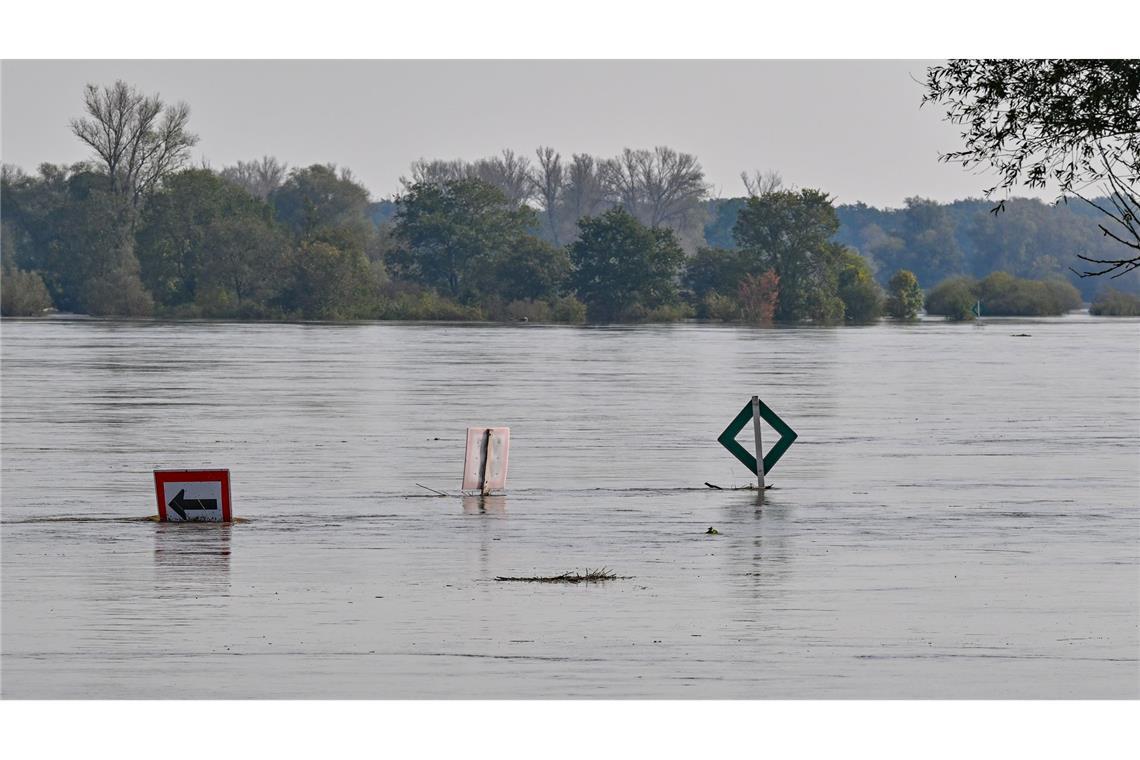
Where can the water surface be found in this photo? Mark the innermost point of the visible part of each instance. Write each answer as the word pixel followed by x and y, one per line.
pixel 957 519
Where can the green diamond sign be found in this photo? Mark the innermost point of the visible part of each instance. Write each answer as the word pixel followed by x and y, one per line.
pixel 728 437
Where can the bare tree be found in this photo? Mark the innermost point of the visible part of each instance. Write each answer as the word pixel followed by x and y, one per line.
pixel 585 193
pixel 259 178
pixel 761 182
pixel 661 188
pixel 549 180
pixel 136 138
pixel 673 185
pixel 509 172
pixel 621 178
pixel 436 171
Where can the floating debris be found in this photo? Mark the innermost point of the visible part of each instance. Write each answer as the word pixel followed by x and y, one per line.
pixel 712 531
pixel 749 487
pixel 590 576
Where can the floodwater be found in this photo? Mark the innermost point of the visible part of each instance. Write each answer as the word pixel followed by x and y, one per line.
pixel 957 519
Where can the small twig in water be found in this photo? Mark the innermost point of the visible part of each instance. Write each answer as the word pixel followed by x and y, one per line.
pixel 439 493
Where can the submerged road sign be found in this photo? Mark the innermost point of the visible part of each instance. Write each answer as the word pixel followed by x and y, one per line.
pixel 728 437
pixel 193 495
pixel 485 461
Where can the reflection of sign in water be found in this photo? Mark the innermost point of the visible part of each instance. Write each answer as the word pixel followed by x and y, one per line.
pixel 193 495
pixel 485 462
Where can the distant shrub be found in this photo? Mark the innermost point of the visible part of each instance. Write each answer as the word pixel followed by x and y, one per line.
pixel 905 299
pixel 216 303
pixel 1064 293
pixel 528 310
pixel 423 305
pixel 118 294
pixel 953 298
pixel 568 310
pixel 565 310
pixel 23 294
pixel 1113 303
pixel 827 309
pixel 862 297
pixel 759 297
pixel 1002 295
pixel 722 308
pixel 670 313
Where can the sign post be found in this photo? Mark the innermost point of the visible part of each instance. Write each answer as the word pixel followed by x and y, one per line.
pixel 193 495
pixel 759 446
pixel 761 464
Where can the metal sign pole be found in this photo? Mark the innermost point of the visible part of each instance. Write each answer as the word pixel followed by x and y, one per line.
pixel 759 446
pixel 485 445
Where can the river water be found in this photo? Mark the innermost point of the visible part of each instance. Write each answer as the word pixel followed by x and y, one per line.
pixel 958 518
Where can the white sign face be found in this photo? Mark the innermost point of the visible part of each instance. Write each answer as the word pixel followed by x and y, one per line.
pixel 193 501
pixel 485 462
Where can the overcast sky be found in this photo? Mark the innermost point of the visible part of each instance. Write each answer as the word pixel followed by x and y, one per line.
pixel 852 128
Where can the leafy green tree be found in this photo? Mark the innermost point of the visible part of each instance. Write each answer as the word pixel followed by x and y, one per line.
pixel 91 256
pixel 953 298
pixel 330 282
pixel 1028 239
pixel 32 205
pixel 67 225
pixel 320 203
pixel 862 298
pixel 452 235
pixel 530 268
pixel 722 213
pixel 184 218
pixel 1065 296
pixel 1073 123
pixel 22 294
pixel 621 266
pixel 791 233
pixel 716 306
pixel 930 248
pixel 717 269
pixel 1002 294
pixel 1113 303
pixel 905 299
pixel 243 267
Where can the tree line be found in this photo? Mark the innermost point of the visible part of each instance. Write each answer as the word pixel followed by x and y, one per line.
pixel 138 231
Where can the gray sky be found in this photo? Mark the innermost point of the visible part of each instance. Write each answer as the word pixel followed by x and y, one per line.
pixel 852 128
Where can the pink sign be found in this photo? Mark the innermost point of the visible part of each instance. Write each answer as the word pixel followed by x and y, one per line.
pixel 485 463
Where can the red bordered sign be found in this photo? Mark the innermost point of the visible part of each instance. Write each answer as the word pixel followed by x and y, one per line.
pixel 193 495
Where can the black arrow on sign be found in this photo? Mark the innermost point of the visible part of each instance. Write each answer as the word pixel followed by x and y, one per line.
pixel 180 504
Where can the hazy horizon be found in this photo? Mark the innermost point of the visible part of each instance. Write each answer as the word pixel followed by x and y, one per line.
pixel 851 128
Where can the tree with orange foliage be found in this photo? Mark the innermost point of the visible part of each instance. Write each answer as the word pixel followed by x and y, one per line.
pixel 759 295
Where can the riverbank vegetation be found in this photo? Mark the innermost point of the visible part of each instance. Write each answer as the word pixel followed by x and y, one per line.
pixel 138 231
pixel 1000 294
pixel 1113 303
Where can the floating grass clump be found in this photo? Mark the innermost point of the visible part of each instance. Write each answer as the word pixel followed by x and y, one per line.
pixel 590 576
